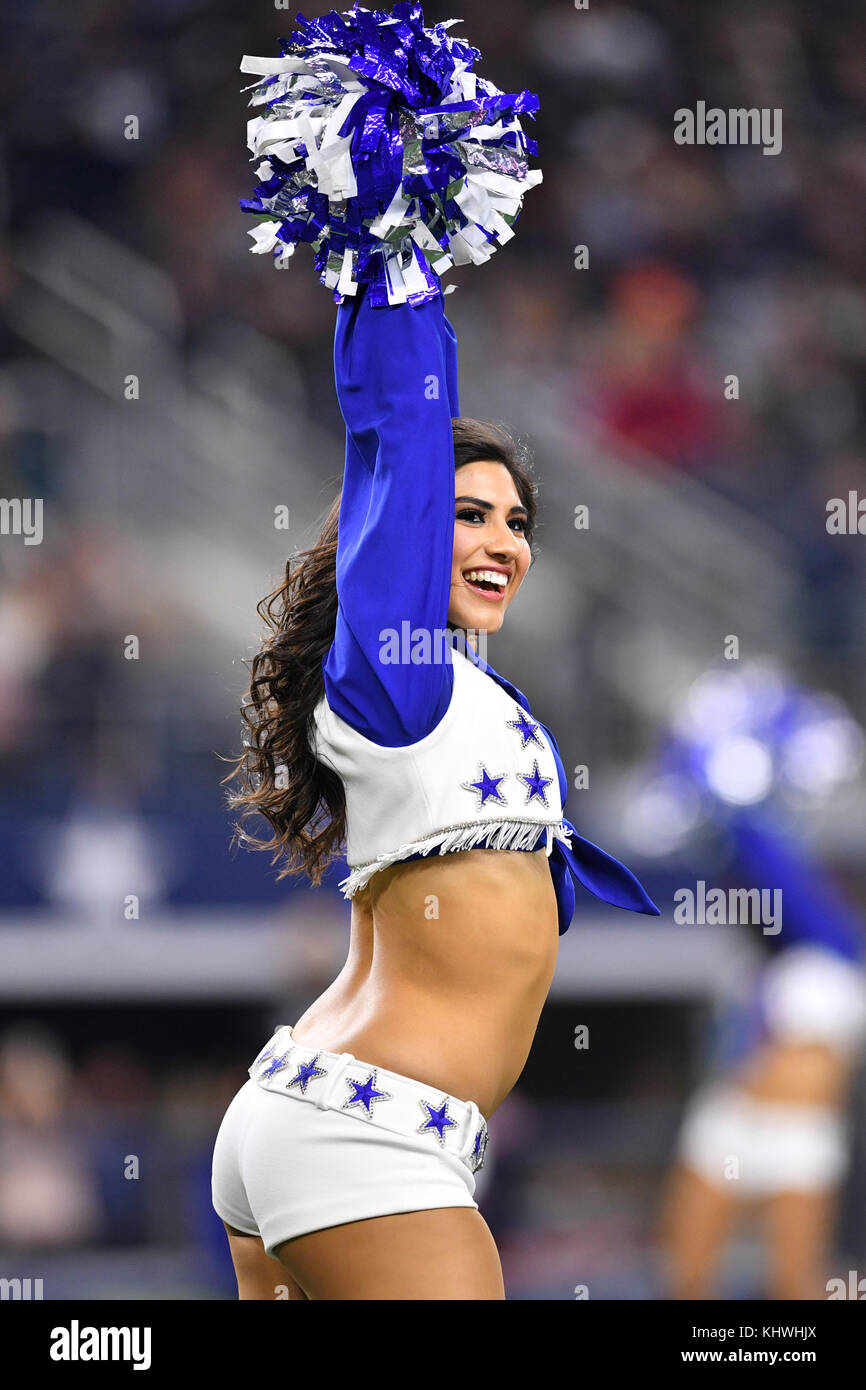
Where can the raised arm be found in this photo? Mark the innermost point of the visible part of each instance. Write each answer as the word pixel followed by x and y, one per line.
pixel 396 378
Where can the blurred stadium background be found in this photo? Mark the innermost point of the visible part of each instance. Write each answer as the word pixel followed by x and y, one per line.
pixel 122 257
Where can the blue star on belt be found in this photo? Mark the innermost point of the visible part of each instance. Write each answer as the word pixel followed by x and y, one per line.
pixel 526 728
pixel 306 1072
pixel 366 1094
pixel 486 787
pixel 278 1063
pixel 536 784
pixel 437 1120
pixel 476 1158
pixel 267 1051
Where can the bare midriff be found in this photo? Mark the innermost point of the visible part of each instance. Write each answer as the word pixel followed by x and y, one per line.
pixel 450 961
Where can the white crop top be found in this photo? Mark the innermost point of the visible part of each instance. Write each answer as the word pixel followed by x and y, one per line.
pixel 485 773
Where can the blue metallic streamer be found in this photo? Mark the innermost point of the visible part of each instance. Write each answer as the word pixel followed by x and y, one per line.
pixel 410 131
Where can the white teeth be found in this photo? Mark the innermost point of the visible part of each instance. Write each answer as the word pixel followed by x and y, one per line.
pixel 492 575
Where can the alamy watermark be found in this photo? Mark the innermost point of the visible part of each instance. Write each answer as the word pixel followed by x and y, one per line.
pixel 22 516
pixel 854 1287
pixel 77 1343
pixel 736 126
pixel 23 1289
pixel 846 516
pixel 421 646
pixel 700 906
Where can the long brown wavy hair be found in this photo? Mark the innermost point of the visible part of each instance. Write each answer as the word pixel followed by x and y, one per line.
pixel 280 778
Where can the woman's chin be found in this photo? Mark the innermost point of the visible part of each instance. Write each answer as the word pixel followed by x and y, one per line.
pixel 481 617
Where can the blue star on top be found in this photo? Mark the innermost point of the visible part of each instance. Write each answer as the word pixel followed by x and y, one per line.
pixel 486 787
pixel 306 1072
pixel 437 1119
pixel 366 1094
pixel 278 1063
pixel 536 784
pixel 526 728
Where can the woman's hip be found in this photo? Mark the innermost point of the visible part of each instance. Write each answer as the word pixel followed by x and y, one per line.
pixel 314 1139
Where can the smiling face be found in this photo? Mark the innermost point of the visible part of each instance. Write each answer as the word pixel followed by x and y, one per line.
pixel 489 541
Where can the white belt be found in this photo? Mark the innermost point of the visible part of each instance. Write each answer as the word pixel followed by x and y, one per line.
pixel 374 1095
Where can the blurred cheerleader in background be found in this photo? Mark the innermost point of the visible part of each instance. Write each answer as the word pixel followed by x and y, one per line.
pixel 753 758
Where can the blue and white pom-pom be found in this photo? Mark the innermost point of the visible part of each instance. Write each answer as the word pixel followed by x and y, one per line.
pixel 385 152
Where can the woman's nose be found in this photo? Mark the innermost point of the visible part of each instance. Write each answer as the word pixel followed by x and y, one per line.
pixel 504 542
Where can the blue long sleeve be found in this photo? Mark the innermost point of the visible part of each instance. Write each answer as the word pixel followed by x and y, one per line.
pixel 395 370
pixel 815 912
pixel 396 377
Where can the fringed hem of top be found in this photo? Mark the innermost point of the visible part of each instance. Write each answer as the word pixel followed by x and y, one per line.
pixel 501 834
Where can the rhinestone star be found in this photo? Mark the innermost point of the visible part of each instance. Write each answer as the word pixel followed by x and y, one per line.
pixel 536 784
pixel 526 728
pixel 278 1063
pixel 306 1072
pixel 480 1148
pixel 437 1119
pixel 486 787
pixel 366 1094
pixel 267 1051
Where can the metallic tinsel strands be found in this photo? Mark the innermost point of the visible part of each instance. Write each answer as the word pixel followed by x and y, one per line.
pixel 382 148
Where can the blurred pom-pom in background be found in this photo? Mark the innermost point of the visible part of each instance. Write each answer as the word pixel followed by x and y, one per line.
pixel 386 152
pixel 739 739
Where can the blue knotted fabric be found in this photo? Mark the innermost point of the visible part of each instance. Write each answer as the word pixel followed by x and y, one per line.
pixel 599 872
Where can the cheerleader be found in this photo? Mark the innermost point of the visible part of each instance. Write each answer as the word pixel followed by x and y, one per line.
pixel 768 1134
pixel 344 1167
pixel 766 1137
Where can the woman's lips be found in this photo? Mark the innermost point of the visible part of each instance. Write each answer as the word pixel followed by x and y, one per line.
pixel 494 595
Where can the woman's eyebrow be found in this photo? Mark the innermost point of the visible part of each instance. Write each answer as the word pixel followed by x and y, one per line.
pixel 487 505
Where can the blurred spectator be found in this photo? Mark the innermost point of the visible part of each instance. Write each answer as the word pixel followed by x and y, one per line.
pixel 48 1196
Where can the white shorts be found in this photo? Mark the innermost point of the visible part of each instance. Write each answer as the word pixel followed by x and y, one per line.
pixel 316 1139
pixel 757 1148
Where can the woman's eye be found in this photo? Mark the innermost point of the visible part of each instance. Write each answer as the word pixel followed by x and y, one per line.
pixel 469 512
